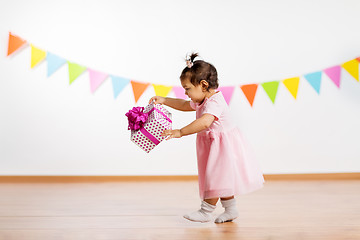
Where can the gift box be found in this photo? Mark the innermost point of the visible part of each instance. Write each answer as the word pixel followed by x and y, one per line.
pixel 147 124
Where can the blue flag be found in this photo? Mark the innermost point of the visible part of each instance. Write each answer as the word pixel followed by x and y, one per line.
pixel 315 80
pixel 54 63
pixel 118 84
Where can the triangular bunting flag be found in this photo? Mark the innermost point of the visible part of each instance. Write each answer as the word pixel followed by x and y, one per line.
pixel 96 78
pixel 54 62
pixel 118 84
pixel 352 67
pixel 292 84
pixel 14 43
pixel 334 74
pixel 37 55
pixel 138 89
pixel 75 70
pixel 315 80
pixel 162 90
pixel 271 89
pixel 249 90
pixel 179 92
pixel 227 92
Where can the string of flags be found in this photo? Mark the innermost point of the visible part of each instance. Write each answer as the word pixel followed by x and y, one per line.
pixel 54 62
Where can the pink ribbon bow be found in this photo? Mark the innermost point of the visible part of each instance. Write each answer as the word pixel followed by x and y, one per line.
pixel 136 118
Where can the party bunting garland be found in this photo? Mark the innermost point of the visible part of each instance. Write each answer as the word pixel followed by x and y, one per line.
pixel 96 78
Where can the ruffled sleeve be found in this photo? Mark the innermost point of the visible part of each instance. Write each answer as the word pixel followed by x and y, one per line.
pixel 214 107
pixel 192 105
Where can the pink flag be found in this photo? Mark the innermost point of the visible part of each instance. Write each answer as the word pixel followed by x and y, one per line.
pixel 227 92
pixel 96 78
pixel 334 74
pixel 179 92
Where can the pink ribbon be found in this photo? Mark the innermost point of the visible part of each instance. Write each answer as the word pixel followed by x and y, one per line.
pixel 136 118
pixel 159 111
pixel 149 136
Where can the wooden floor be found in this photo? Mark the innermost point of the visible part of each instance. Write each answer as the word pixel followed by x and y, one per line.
pixel 288 210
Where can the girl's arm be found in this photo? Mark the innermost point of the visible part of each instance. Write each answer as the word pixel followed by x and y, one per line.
pixel 196 126
pixel 176 103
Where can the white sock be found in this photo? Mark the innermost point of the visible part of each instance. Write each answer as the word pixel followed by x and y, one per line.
pixel 230 213
pixel 202 215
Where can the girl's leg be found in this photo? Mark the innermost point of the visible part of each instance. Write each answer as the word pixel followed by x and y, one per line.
pixel 212 201
pixel 227 198
pixel 230 213
pixel 204 213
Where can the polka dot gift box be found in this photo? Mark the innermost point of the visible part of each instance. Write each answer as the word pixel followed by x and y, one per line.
pixel 147 124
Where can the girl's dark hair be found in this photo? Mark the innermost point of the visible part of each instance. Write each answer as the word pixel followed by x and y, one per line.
pixel 200 70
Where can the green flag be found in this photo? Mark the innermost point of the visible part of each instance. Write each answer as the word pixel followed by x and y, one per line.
pixel 75 70
pixel 271 89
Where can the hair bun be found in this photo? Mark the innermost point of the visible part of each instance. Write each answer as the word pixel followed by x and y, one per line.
pixel 192 57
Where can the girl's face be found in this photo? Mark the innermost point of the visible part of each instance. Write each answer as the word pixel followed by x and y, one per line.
pixel 196 93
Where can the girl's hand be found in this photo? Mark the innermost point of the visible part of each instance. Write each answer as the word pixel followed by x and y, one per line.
pixel 172 133
pixel 157 99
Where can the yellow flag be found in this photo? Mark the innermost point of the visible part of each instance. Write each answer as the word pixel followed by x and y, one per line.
pixel 37 55
pixel 162 90
pixel 292 84
pixel 352 67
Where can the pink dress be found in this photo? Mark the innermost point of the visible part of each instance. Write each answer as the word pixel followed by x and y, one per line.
pixel 226 164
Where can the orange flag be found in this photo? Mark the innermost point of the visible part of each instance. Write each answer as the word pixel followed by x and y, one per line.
pixel 14 43
pixel 138 89
pixel 249 91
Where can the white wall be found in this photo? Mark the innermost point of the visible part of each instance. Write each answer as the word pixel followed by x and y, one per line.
pixel 50 128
